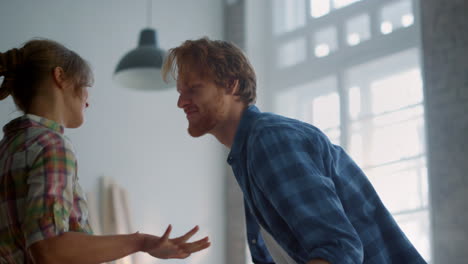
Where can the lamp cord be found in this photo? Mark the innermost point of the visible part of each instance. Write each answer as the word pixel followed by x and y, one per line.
pixel 149 10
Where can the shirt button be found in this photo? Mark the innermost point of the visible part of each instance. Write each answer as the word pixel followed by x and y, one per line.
pixel 254 241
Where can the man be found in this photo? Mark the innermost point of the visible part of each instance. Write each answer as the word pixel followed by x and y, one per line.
pixel 306 201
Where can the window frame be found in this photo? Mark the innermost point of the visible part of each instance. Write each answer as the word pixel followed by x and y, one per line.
pixel 337 64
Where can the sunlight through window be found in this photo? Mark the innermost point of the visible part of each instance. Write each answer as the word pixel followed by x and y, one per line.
pixel 387 138
pixel 386 27
pixel 353 39
pixel 319 8
pixel 325 42
pixel 354 102
pixel 357 29
pixel 342 3
pixel 322 50
pixel 326 111
pixel 395 15
pixel 374 89
pixel 416 227
pixel 396 91
pixel 407 20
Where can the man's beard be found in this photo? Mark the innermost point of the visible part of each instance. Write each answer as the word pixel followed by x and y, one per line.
pixel 208 120
pixel 202 126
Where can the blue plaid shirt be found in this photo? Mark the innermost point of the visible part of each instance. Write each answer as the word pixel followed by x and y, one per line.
pixel 310 196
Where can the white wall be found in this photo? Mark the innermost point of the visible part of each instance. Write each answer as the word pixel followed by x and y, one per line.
pixel 258 47
pixel 138 138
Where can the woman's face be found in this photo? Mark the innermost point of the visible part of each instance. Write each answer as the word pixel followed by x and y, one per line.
pixel 76 103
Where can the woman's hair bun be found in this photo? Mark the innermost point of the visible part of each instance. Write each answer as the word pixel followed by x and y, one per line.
pixel 9 62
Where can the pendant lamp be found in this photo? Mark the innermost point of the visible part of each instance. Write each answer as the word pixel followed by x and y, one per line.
pixel 140 68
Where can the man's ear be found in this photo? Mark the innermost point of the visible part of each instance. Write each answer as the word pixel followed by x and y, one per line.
pixel 58 77
pixel 233 87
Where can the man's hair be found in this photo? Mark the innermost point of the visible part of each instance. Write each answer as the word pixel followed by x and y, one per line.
pixel 216 60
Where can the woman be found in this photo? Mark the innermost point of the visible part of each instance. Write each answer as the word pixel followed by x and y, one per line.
pixel 43 213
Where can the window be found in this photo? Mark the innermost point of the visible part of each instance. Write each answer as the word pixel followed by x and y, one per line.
pixel 356 76
pixel 318 102
pixel 325 41
pixel 342 3
pixel 386 109
pixel 396 15
pixel 288 15
pixel 357 29
pixel 319 8
pixel 292 53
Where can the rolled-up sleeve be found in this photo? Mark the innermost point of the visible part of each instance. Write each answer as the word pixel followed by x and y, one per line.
pixel 50 192
pixel 288 168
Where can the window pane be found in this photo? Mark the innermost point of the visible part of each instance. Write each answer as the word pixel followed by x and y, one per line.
pixel 343 3
pixel 357 149
pixel 389 137
pixel 288 15
pixel 358 30
pixel 399 185
pixel 354 102
pixel 394 142
pixel 319 8
pixel 325 41
pixel 424 186
pixel 334 135
pixel 396 15
pixel 286 104
pixel 396 91
pixel 292 53
pixel 416 227
pixel 410 113
pixel 316 103
pixel 326 111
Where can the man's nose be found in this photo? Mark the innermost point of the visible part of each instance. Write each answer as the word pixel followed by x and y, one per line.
pixel 183 101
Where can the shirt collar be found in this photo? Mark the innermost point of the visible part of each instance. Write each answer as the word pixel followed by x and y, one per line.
pixel 244 127
pixel 30 120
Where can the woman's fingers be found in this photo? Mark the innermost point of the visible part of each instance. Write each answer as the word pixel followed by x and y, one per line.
pixel 195 246
pixel 187 236
pixel 167 233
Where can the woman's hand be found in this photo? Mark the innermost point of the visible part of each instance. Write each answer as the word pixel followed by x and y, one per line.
pixel 165 247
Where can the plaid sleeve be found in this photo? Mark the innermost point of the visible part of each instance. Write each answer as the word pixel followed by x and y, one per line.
pixel 288 169
pixel 258 250
pixel 50 191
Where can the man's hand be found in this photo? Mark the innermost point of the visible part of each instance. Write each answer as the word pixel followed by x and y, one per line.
pixel 165 247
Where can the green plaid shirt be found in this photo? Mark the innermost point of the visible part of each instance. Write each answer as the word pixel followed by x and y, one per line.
pixel 40 196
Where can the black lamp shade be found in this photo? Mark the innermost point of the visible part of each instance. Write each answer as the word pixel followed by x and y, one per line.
pixel 140 68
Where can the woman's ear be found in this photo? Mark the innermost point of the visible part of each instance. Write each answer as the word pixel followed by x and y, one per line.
pixel 58 77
